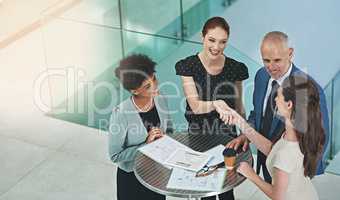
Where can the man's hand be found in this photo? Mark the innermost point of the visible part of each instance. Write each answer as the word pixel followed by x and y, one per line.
pixel 241 140
pixel 154 134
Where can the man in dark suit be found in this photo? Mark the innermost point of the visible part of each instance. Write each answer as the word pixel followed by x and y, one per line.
pixel 277 59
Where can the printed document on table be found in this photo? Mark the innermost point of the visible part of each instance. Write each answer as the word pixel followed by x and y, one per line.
pixel 188 159
pixel 187 180
pixel 161 149
pixel 217 155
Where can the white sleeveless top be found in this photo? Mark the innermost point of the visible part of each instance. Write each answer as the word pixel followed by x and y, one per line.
pixel 286 156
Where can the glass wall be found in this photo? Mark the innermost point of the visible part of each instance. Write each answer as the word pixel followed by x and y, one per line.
pixel 79 58
pixel 83 45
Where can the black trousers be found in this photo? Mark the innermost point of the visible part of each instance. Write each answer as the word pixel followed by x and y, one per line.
pixel 129 188
pixel 224 196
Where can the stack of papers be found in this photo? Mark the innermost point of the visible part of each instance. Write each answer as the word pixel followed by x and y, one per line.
pixel 161 149
pixel 188 159
pixel 185 163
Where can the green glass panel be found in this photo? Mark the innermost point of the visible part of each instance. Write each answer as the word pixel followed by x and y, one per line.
pixel 152 16
pixel 328 93
pixel 195 13
pixel 335 114
pixel 157 47
pixel 332 92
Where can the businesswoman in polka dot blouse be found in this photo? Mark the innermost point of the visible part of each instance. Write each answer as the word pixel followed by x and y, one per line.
pixel 212 82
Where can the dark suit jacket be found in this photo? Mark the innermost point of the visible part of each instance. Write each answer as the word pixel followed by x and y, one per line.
pixel 261 81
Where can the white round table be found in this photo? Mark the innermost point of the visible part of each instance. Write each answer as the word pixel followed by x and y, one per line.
pixel 155 176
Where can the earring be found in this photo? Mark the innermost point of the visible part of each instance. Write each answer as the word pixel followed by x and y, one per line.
pixel 134 92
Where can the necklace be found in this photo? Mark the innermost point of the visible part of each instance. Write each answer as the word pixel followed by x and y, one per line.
pixel 145 108
pixel 212 69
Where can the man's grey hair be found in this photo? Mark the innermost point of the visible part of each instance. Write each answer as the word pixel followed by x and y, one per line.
pixel 276 36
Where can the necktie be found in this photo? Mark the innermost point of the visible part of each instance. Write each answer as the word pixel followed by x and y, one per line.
pixel 266 125
pixel 270 107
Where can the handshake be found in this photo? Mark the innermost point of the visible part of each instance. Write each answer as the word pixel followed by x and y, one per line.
pixel 231 117
pixel 227 114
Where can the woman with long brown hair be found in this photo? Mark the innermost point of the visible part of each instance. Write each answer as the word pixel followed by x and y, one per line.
pixel 292 160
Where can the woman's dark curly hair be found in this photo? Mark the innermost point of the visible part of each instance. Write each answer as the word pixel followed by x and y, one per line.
pixel 133 70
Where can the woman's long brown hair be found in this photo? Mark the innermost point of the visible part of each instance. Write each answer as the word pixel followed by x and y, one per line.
pixel 306 118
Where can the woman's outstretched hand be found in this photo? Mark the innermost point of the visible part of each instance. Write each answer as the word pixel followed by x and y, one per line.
pixel 227 114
